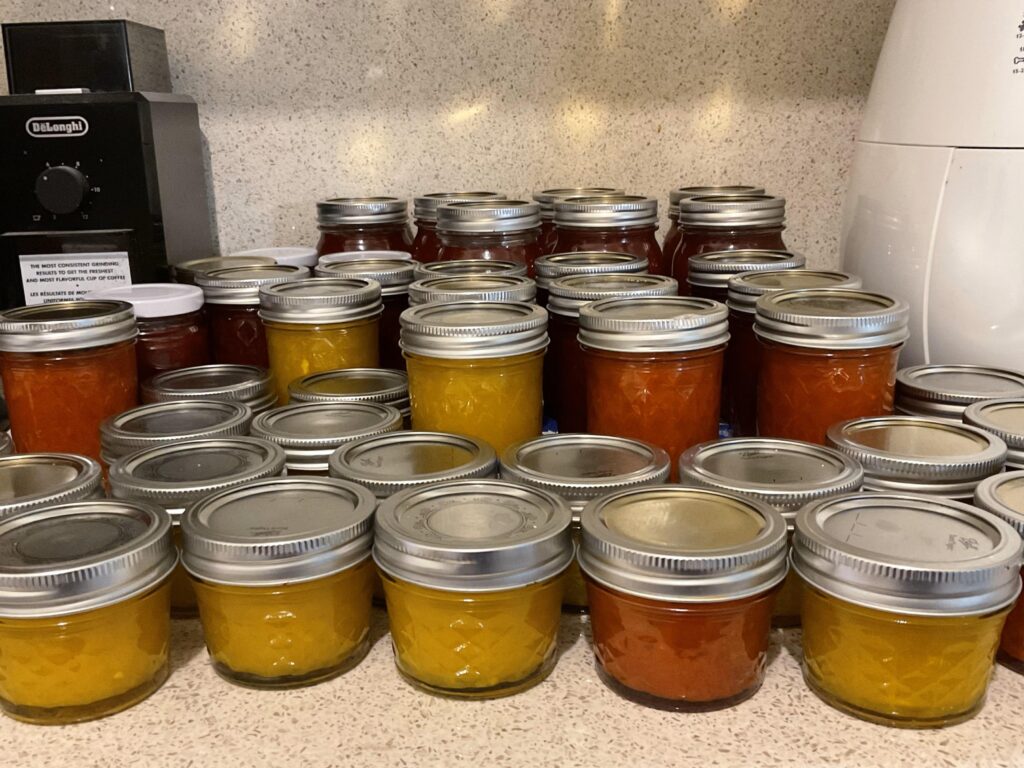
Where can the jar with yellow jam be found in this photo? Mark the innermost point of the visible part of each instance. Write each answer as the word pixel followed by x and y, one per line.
pixel 320 324
pixel 84 609
pixel 283 574
pixel 475 368
pixel 787 474
pixel 355 385
pixel 33 480
pixel 473 573
pixel 904 601
pixel 579 468
pixel 177 475
pixel 248 384
pixel 439 290
pixel 1004 418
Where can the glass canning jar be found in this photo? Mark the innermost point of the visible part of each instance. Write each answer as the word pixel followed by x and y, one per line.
pixel 743 355
pixel 66 367
pixel 945 391
pixel 475 369
pixel 346 256
pixel 556 265
pixel 546 199
pixel 293 255
pixel 34 480
pixel 785 474
pixel 371 385
pixel 502 230
pixel 473 573
pixel 675 196
pixel 565 390
pixel 617 223
pixel 434 290
pixel 248 384
pixel 186 272
pixel 84 609
pixel 827 355
pixel 681 583
pixel 177 475
pixel 426 246
pixel 320 324
pixel 653 366
pixel 1004 418
pixel 232 309
pixel 363 224
pixel 283 574
pixel 904 600
pixel 580 468
pixel 467 267
pixel 709 272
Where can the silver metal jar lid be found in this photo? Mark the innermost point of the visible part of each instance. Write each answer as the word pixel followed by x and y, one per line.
pixel 66 325
pixel 277 531
pixel 6 444
pixel 555 265
pixel 82 555
pixel 945 391
pixel 186 271
pixel 247 384
pixel 567 294
pixel 32 480
pixel 176 475
pixel 333 258
pixel 361 210
pixel 393 275
pixel 240 286
pixel 735 211
pixel 467 330
pixel 170 422
pixel 783 473
pixel 353 385
pixel 425 206
pixel 606 211
pixel 832 318
pixel 460 267
pixel 725 190
pixel 301 255
pixel 581 467
pixel 321 300
pixel 654 324
pixel 908 554
pixel 488 216
pixel 311 432
pixel 714 268
pixel 747 287
pixel 919 455
pixel 473 536
pixel 1004 418
pixel 473 288
pixel 546 198
pixel 682 544
pixel 387 464
pixel 1003 496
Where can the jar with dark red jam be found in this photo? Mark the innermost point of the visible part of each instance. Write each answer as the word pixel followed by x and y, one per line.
pixel 619 223
pixel 709 272
pixel 671 241
pixel 546 199
pixel 556 265
pixel 232 310
pixel 722 223
pixel 363 224
pixel 426 246
pixel 506 230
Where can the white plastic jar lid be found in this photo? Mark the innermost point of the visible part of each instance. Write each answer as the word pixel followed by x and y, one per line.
pixel 155 299
pixel 291 255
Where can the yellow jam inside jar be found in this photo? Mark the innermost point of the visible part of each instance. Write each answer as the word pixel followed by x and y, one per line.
pixel 898 669
pixel 291 634
pixel 82 666
pixel 474 645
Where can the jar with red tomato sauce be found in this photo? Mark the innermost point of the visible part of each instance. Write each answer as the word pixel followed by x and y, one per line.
pixel 675 196
pixel 565 390
pixel 827 355
pixel 681 584
pixel 426 246
pixel 506 230
pixel 619 223
pixel 556 265
pixel 66 367
pixel 363 224
pixel 546 200
pixel 742 357
pixel 653 367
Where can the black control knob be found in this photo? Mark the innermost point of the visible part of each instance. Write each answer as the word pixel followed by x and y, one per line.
pixel 61 189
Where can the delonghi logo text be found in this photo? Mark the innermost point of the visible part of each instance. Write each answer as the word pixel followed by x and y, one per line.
pixel 56 127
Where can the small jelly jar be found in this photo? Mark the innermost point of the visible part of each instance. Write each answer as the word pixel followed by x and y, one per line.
pixel 1003 418
pixel 248 384
pixel 653 366
pixel 618 223
pixel 84 609
pixel 556 265
pixel 475 369
pixel 438 290
pixel 580 468
pixel 66 367
pixel 904 601
pixel 681 583
pixel 347 256
pixel 473 573
pixel 546 199
pixel 945 391
pixel 466 267
pixel 284 578
pixel 320 324
pixel 355 385
pixel 827 355
pixel 33 480
pixel 709 272
pixel 426 246
pixel 676 196
pixel 785 474
pixel 186 272
pixel 363 224
pixel 506 230
pixel 292 255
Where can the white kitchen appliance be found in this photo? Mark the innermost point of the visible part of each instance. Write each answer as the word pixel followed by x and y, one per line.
pixel 935 208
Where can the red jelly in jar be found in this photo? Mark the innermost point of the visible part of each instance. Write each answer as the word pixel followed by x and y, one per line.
pixel 620 223
pixel 675 196
pixel 363 224
pixel 546 199
pixel 505 230
pixel 426 246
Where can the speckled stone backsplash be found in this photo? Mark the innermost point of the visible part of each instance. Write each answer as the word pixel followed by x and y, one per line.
pixel 304 99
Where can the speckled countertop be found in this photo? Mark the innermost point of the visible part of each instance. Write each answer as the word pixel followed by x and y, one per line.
pixel 371 717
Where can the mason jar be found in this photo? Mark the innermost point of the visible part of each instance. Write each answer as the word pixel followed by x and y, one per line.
pixel 294 255
pixel 505 230
pixel 363 224
pixel 248 384
pixel 187 271
pixel 945 391
pixel 426 246
pixel 619 223
pixel 556 265
pixel 466 267
pixel 33 480
pixel 676 196
pixel 371 385
pixel 546 199
pixel 1003 418
pixel 434 290
pixel 709 272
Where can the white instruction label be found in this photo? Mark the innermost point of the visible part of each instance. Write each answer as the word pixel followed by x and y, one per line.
pixel 50 277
